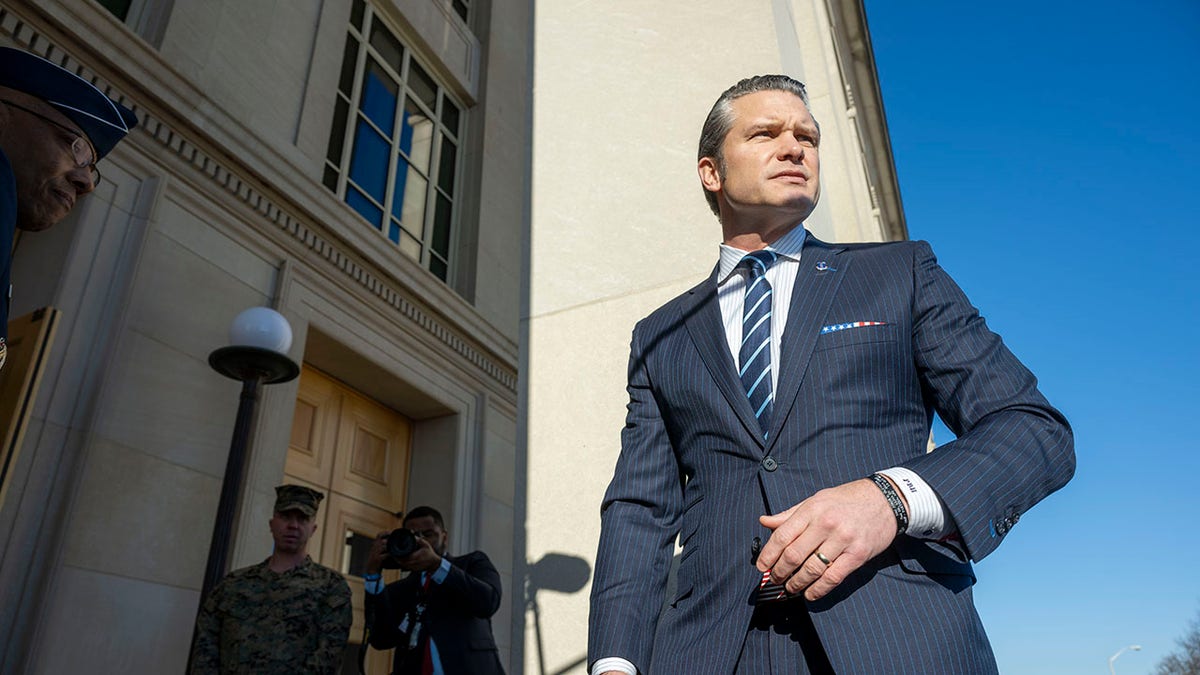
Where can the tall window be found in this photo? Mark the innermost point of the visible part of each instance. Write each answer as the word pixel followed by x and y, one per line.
pixel 394 147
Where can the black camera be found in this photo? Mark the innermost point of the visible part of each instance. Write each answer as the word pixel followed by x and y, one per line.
pixel 401 543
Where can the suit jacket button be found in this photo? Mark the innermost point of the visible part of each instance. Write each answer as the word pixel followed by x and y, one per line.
pixel 770 464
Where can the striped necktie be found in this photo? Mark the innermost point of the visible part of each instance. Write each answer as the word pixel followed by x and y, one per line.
pixel 754 355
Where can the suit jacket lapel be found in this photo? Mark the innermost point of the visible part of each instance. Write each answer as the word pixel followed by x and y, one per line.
pixel 702 316
pixel 816 286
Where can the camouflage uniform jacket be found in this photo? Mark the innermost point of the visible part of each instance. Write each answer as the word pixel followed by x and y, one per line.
pixel 268 623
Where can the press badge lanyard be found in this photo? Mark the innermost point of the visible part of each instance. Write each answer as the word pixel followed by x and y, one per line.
pixel 414 617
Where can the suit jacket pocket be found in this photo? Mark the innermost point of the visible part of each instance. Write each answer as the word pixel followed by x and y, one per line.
pixel 855 336
pixel 919 556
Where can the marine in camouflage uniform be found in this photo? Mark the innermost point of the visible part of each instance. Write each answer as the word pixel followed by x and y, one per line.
pixel 271 621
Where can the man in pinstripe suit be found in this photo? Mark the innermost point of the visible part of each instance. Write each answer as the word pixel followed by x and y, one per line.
pixel 777 424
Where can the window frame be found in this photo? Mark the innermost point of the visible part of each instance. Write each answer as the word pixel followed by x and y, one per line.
pixel 349 112
pixel 467 12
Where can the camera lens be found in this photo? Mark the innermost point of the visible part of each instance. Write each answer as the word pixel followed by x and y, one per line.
pixel 401 543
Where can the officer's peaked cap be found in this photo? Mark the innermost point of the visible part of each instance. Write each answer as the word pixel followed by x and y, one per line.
pixel 103 120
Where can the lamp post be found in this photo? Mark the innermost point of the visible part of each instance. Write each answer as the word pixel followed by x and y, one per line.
pixel 258 341
pixel 1122 650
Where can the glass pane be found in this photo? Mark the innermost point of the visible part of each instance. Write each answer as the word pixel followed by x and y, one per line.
pixel 379 97
pixel 119 8
pixel 408 199
pixel 441 226
pixel 438 267
pixel 416 135
pixel 389 48
pixel 356 13
pixel 446 166
pixel 349 63
pixel 337 135
pixel 394 232
pixel 365 208
pixel 358 549
pixel 422 85
pixel 330 178
pixel 461 8
pixel 450 115
pixel 369 163
pixel 410 246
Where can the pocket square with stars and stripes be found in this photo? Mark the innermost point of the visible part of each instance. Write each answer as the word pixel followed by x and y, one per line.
pixel 835 327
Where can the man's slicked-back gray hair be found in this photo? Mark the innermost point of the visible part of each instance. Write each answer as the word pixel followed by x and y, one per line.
pixel 720 118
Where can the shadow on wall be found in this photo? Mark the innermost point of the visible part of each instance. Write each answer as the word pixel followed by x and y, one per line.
pixel 560 573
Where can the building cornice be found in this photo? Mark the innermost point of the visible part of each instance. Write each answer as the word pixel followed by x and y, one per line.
pixel 852 39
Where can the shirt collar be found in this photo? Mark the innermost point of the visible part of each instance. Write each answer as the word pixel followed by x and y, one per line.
pixel 788 246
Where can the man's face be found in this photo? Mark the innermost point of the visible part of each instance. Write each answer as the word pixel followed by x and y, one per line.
pixel 291 531
pixel 48 180
pixel 430 531
pixel 769 159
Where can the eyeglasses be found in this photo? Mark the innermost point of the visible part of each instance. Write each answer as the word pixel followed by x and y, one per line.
pixel 82 151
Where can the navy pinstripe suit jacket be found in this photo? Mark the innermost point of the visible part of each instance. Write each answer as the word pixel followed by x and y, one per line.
pixel 848 403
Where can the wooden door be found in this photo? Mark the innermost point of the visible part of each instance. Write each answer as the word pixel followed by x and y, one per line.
pixel 356 451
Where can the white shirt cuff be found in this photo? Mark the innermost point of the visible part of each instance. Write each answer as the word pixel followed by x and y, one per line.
pixel 927 516
pixel 613 663
pixel 443 571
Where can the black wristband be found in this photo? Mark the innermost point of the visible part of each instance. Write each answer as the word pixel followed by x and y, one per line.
pixel 893 500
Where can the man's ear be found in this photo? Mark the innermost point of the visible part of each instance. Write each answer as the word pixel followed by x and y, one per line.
pixel 710 178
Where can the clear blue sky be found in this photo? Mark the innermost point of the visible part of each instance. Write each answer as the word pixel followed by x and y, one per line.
pixel 1050 153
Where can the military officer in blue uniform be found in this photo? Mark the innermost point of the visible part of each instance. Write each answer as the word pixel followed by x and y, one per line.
pixel 54 127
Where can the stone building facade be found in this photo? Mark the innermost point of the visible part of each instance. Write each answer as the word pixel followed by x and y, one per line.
pixel 361 166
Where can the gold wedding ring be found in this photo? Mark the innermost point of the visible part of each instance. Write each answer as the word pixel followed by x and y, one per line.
pixel 821 556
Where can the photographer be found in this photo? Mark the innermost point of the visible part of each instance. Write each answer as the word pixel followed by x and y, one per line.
pixel 438 617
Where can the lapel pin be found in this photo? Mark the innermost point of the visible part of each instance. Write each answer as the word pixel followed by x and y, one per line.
pixel 824 267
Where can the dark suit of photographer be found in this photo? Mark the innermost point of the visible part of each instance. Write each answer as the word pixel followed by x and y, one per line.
pixel 447 600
